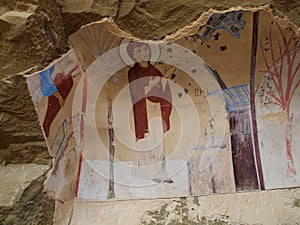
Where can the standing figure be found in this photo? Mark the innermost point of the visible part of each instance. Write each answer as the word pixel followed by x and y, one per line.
pixel 148 90
pixel 57 91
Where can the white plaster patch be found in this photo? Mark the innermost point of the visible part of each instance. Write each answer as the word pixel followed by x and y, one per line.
pixel 94 184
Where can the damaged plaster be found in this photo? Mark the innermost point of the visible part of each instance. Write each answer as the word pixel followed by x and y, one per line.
pixel 25 41
pixel 33 33
pixel 268 207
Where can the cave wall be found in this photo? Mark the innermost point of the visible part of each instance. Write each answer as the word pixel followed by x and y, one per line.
pixel 34 33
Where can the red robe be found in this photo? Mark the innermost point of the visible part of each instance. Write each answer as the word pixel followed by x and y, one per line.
pixel 139 78
pixel 64 85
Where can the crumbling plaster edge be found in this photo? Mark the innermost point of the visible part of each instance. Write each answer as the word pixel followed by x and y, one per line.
pixel 187 30
pixel 193 27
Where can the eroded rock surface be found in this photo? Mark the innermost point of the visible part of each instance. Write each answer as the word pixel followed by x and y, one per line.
pixel 33 33
pixel 21 138
pixel 22 200
pixel 271 207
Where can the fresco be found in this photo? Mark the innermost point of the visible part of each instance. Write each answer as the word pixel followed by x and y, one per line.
pixel 147 151
pixel 214 111
pixel 52 93
pixel 278 107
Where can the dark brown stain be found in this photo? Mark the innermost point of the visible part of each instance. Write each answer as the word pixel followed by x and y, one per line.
pixel 252 98
pixel 111 188
pixel 242 151
pixel 223 48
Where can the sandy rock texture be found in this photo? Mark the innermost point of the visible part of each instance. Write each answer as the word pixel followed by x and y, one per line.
pixel 24 158
pixel 287 9
pixel 21 138
pixel 35 32
pixel 32 35
pixel 22 199
pixel 239 209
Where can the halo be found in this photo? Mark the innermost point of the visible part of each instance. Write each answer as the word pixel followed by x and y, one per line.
pixel 107 64
pixel 122 50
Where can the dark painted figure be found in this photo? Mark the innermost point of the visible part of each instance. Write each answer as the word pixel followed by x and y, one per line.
pixel 146 84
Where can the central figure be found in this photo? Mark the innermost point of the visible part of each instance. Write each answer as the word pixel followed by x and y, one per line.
pixel 150 92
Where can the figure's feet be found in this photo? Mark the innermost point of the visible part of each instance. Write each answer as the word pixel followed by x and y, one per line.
pixel 168 180
pixel 156 180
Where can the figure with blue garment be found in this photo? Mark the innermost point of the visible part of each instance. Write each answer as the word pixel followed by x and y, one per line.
pixel 57 90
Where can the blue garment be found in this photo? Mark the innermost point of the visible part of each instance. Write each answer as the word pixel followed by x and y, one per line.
pixel 237 98
pixel 230 21
pixel 47 85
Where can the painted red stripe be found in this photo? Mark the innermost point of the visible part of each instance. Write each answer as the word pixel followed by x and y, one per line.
pixel 83 111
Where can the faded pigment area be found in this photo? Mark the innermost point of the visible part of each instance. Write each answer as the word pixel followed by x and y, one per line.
pixel 36 32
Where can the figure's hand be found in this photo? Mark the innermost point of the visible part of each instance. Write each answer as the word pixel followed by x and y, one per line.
pixel 152 82
pixel 166 70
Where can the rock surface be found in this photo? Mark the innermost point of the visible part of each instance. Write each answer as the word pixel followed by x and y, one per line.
pixel 22 200
pixel 271 207
pixel 32 34
pixel 20 134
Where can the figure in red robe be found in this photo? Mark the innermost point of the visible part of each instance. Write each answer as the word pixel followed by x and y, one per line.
pixel 57 91
pixel 146 84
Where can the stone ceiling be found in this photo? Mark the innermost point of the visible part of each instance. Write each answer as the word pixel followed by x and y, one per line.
pixel 34 32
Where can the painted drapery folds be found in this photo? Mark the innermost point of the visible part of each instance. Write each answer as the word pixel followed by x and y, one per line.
pixel 130 119
pixel 52 92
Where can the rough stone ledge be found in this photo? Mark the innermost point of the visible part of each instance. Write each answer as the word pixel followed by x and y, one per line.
pixel 34 32
pixel 22 200
pixel 21 138
pixel 264 207
pixel 15 178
